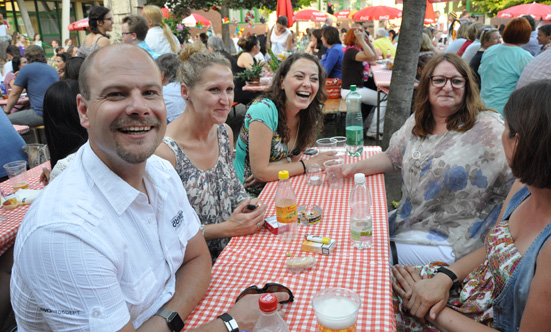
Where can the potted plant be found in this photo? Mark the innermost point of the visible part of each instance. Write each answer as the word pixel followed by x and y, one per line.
pixel 252 74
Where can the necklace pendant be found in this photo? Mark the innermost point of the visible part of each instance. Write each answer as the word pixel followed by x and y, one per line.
pixel 416 155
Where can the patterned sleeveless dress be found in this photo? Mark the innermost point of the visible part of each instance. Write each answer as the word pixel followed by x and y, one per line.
pixel 480 288
pixel 213 193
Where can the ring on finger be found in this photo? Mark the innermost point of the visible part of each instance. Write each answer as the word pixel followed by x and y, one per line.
pixel 258 224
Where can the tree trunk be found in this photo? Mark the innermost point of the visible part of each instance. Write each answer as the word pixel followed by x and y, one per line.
pixel 225 12
pixel 403 79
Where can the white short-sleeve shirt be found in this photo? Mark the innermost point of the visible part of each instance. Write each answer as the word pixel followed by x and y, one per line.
pixel 93 252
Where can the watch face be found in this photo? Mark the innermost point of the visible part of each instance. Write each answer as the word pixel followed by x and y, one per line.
pixel 175 322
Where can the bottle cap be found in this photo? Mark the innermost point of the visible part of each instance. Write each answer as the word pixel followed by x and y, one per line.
pixel 359 178
pixel 283 175
pixel 352 88
pixel 267 302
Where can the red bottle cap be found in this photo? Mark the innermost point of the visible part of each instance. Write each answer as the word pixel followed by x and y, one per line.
pixel 267 302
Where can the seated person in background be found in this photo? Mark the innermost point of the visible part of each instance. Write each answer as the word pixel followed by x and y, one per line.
pixel 537 69
pixel 200 146
pixel 11 52
pixel 532 45
pixel 251 47
pixel 355 71
pixel 278 128
pixel 461 38
pixel 504 285
pixel 488 38
pixel 134 29
pixel 159 37
pixel 72 68
pixel 502 64
pixel 64 134
pixel 544 37
pixel 36 77
pixel 472 32
pixel 9 80
pixel 332 60
pixel 216 44
pixel 169 64
pixel 454 173
pixel 471 50
pixel 61 61
pixel 100 20
pixel 383 44
pixel 316 47
pixel 425 54
pixel 124 210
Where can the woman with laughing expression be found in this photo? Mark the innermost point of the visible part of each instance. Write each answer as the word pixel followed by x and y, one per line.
pixel 278 128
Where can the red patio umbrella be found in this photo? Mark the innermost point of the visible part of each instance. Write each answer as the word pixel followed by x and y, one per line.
pixel 344 14
pixel 311 15
pixel 285 8
pixel 537 10
pixel 430 16
pixel 195 19
pixel 78 25
pixel 377 13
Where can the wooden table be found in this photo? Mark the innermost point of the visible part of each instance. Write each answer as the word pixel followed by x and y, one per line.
pixel 260 258
pixel 9 228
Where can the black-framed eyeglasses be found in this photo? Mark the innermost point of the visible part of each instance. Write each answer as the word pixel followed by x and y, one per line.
pixel 440 81
pixel 268 288
pixel 126 33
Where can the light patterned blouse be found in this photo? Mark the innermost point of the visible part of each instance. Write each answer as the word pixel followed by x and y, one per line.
pixel 453 184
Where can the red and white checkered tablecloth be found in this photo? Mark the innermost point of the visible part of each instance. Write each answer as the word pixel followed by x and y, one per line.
pixel 8 229
pixel 260 258
pixel 21 128
pixel 382 78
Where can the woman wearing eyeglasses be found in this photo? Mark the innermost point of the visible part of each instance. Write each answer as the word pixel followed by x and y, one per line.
pixel 100 21
pixel 454 171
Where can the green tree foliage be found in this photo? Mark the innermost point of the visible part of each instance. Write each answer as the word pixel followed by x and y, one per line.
pixel 491 7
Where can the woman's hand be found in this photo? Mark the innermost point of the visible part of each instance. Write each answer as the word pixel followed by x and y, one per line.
pixel 421 295
pixel 245 222
pixel 359 34
pixel 321 157
pixel 349 170
pixel 252 182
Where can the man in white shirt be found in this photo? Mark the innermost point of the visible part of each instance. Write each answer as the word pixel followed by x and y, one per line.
pixel 113 244
pixel 441 27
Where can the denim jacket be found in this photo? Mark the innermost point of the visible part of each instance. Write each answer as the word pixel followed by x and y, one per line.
pixel 509 305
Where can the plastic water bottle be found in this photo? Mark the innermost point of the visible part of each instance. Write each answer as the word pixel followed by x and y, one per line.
pixel 3 88
pixel 361 222
pixel 286 208
pixel 354 123
pixel 388 54
pixel 269 320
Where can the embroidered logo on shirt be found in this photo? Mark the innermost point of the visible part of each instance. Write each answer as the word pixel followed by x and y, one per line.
pixel 60 312
pixel 177 220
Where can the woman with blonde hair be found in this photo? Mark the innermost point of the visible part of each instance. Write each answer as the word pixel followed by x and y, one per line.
pixel 159 37
pixel 199 145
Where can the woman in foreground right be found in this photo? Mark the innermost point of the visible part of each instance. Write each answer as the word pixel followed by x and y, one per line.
pixel 504 285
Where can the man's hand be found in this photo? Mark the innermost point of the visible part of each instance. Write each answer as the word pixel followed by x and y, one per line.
pixel 246 311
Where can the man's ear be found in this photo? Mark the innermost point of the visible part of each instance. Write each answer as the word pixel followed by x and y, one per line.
pixel 82 107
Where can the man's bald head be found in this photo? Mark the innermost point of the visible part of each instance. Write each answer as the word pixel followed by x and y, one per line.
pixel 100 56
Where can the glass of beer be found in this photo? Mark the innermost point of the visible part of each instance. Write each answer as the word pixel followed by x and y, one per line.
pixel 17 172
pixel 336 309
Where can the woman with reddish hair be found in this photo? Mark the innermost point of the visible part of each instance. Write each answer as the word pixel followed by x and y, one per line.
pixel 502 64
pixel 355 69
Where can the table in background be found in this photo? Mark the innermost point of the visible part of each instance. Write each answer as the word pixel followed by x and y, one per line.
pixel 20 101
pixel 260 258
pixel 382 78
pixel 8 229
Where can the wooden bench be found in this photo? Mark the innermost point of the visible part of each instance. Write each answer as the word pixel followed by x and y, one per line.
pixel 334 106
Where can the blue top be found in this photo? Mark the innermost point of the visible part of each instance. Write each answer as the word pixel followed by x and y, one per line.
pixel 499 71
pixel 146 47
pixel 10 144
pixel 509 305
pixel 36 78
pixel 332 61
pixel 533 45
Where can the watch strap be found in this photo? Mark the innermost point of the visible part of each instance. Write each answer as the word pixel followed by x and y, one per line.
pixel 449 273
pixel 230 322
pixel 172 318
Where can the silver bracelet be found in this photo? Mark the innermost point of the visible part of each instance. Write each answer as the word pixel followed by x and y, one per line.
pixel 202 228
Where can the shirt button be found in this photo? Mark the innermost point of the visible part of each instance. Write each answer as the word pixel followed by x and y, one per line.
pixel 96 312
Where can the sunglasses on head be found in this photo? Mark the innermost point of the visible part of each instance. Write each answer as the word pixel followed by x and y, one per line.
pixel 268 288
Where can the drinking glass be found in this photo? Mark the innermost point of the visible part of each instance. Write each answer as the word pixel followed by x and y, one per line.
pixel 336 309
